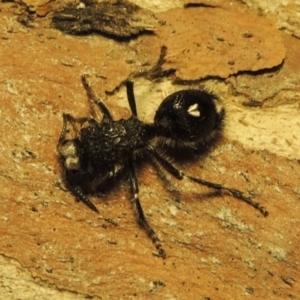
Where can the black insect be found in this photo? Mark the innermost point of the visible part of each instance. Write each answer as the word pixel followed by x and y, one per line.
pixel 94 152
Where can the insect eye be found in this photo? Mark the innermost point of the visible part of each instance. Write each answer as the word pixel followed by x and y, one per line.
pixel 187 115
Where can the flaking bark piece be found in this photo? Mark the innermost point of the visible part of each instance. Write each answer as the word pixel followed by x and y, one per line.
pixel 205 42
pixel 119 19
pixel 208 3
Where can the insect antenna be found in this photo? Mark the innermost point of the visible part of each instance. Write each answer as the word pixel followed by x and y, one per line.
pixel 77 192
pixel 63 131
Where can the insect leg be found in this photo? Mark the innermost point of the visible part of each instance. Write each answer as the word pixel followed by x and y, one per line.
pixel 93 97
pixel 234 192
pixel 131 97
pixel 180 175
pixel 139 211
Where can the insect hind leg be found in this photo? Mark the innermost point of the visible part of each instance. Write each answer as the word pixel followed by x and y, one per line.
pixel 218 187
pixel 234 192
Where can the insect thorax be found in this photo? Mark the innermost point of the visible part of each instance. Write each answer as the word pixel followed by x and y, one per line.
pixel 112 142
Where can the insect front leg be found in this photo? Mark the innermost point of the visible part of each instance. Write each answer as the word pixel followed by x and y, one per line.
pixel 95 100
pixel 218 187
pixel 139 211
